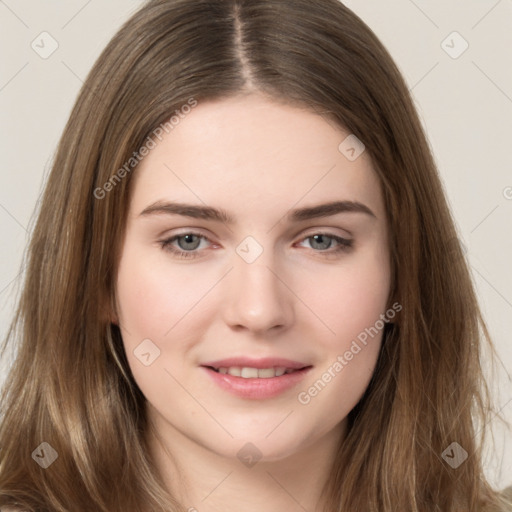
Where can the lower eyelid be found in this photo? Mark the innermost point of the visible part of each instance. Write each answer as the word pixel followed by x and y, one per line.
pixel 169 241
pixel 341 243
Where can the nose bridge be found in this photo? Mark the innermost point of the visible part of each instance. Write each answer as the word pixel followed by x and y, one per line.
pixel 256 298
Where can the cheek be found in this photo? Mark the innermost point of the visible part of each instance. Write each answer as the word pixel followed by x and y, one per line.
pixel 350 298
pixel 352 309
pixel 153 296
pixel 141 299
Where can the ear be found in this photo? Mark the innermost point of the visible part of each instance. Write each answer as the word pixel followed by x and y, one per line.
pixel 394 309
pixel 113 319
pixel 397 308
pixel 394 304
pixel 108 310
pixel 112 313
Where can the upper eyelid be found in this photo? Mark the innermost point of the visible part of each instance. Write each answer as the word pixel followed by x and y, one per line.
pixel 307 231
pixel 303 237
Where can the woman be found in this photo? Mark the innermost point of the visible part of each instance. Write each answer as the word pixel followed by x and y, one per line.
pixel 239 293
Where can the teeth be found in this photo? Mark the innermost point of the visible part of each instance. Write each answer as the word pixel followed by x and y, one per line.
pixel 235 371
pixel 249 373
pixel 254 373
pixel 266 373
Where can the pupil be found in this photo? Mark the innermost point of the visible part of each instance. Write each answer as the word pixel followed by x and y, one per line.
pixel 190 243
pixel 319 239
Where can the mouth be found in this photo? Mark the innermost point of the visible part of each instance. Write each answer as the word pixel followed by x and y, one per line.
pixel 256 378
pixel 247 372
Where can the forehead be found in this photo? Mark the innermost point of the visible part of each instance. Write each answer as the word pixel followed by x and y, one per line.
pixel 252 155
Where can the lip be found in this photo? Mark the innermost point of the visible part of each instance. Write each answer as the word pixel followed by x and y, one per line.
pixel 247 362
pixel 256 389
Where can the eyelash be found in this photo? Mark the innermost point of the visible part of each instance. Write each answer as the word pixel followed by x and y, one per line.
pixel 344 245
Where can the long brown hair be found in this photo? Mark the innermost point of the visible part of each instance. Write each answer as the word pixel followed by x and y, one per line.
pixel 70 385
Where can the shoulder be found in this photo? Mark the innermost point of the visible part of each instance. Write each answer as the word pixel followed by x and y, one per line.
pixel 506 495
pixel 501 502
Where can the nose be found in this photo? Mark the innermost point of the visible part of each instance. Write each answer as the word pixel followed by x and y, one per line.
pixel 257 298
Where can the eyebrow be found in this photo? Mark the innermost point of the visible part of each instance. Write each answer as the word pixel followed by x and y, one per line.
pixel 220 215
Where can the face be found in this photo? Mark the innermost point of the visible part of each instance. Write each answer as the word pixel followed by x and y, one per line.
pixel 253 279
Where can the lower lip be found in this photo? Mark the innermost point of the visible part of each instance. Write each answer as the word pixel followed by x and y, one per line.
pixel 257 389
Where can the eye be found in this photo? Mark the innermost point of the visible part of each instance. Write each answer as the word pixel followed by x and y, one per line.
pixel 324 242
pixel 187 243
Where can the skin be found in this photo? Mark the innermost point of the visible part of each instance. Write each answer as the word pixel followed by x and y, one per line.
pixel 257 159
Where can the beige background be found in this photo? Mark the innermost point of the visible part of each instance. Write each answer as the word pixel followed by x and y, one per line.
pixel 464 99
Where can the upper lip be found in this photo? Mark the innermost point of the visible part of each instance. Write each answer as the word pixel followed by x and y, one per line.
pixel 247 362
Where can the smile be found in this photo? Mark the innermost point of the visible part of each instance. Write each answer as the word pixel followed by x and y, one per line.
pixel 256 379
pixel 254 373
